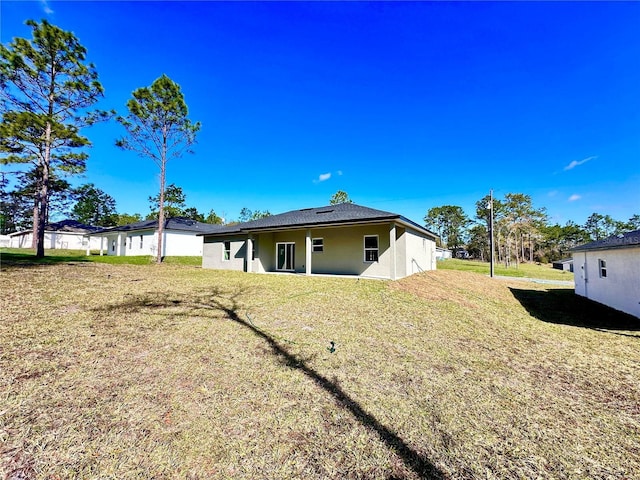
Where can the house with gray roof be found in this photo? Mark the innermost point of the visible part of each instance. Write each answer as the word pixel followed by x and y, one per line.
pixel 181 237
pixel 66 234
pixel 343 239
pixel 608 271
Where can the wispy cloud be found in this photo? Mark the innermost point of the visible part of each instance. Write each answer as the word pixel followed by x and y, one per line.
pixel 45 6
pixel 575 163
pixel 553 193
pixel 574 197
pixel 322 177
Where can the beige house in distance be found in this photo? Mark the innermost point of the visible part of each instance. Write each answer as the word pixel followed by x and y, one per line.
pixel 343 239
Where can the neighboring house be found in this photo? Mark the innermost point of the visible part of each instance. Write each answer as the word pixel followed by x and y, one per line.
pixel 564 264
pixel 66 234
pixel 5 241
pixel 608 271
pixel 443 253
pixel 343 239
pixel 180 238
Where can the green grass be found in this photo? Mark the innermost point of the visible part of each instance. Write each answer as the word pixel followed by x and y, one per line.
pixel 529 270
pixel 135 371
pixel 22 256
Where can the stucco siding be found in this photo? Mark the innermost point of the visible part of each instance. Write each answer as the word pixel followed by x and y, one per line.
pixel 213 253
pixel 420 253
pixel 344 251
pixel 620 289
pixel 186 244
pixel 55 240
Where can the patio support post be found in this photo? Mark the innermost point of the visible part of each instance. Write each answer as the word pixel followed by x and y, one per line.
pixel 101 247
pixel 392 250
pixel 88 245
pixel 119 245
pixel 249 253
pixel 307 253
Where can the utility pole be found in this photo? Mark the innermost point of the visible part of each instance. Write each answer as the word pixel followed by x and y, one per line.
pixel 491 232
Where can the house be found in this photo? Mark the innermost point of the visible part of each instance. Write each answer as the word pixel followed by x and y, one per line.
pixel 180 238
pixel 66 234
pixel 343 239
pixel 564 264
pixel 608 271
pixel 443 253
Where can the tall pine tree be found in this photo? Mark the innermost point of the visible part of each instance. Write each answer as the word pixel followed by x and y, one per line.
pixel 45 90
pixel 158 128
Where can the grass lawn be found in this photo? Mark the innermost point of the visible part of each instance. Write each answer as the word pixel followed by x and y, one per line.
pixel 530 270
pixel 27 256
pixel 172 371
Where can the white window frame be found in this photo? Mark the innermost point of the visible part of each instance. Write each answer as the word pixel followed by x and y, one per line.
pixel 602 268
pixel 226 253
pixel 319 245
pixel 141 241
pixel 370 249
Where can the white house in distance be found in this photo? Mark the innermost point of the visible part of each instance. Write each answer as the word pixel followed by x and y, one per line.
pixel 343 239
pixel 180 238
pixel 66 234
pixel 608 271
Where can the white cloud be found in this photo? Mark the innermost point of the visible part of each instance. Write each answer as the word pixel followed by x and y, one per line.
pixel 575 163
pixel 574 197
pixel 45 6
pixel 322 177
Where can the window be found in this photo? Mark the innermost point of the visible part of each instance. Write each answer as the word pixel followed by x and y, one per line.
pixel 113 245
pixel 371 248
pixel 226 254
pixel 317 245
pixel 130 243
pixel 602 266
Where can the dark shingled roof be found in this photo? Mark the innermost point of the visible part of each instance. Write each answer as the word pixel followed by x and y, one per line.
pixel 70 226
pixel 176 223
pixel 343 213
pixel 625 240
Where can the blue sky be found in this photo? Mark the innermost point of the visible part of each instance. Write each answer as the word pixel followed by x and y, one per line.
pixel 404 105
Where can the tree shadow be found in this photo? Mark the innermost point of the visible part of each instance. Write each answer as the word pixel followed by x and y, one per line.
pixel 563 306
pixel 228 305
pixel 22 260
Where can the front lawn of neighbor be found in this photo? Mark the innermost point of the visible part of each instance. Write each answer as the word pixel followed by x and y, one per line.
pixel 27 256
pixel 147 371
pixel 529 270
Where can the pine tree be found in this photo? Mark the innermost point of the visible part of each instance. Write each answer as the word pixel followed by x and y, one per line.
pixel 45 90
pixel 158 128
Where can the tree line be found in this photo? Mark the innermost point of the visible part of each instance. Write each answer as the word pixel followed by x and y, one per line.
pixel 521 231
pixel 47 94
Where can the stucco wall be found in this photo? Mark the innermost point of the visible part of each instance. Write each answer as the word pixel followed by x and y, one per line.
pixel 178 243
pixel 343 250
pixel 620 289
pixel 55 240
pixel 421 254
pixel 213 253
pixel 175 243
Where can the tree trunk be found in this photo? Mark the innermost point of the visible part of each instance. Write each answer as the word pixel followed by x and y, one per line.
pixel 34 226
pixel 163 173
pixel 43 194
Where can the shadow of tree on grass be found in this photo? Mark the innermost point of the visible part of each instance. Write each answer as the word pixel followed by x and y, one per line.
pixel 563 306
pixel 228 305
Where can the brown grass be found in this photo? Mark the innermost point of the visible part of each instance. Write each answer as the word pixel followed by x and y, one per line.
pixel 177 372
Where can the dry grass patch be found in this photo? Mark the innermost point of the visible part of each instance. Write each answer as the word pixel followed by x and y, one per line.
pixel 177 372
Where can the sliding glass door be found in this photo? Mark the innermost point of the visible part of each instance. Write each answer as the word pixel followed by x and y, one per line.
pixel 286 254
